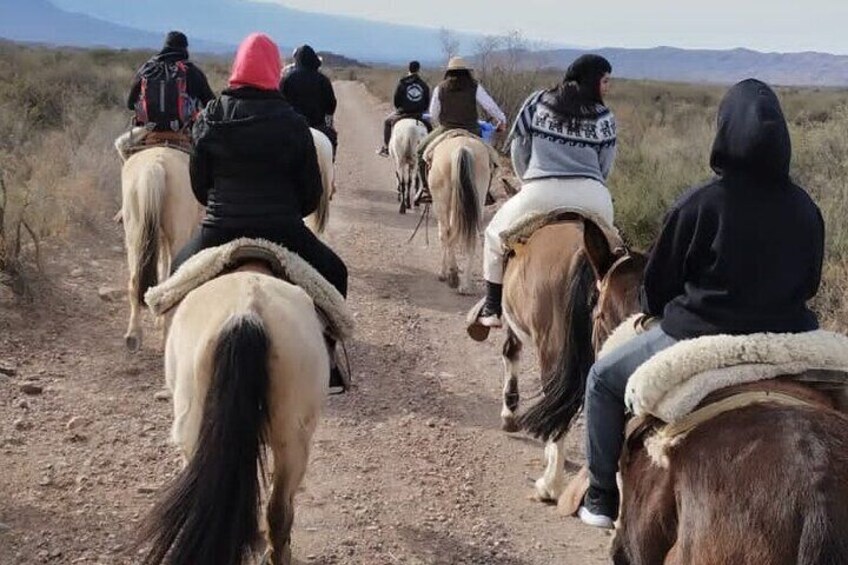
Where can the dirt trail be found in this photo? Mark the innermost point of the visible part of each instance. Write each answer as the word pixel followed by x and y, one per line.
pixel 410 468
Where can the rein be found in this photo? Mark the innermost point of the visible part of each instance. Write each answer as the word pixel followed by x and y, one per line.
pixel 425 216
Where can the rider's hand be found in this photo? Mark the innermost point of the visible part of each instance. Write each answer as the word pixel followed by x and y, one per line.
pixel 500 127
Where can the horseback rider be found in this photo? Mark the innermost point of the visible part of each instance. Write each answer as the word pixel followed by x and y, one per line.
pixel 412 99
pixel 454 106
pixel 174 55
pixel 310 92
pixel 254 167
pixel 739 254
pixel 563 149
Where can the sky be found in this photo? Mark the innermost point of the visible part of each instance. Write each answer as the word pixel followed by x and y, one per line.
pixel 764 25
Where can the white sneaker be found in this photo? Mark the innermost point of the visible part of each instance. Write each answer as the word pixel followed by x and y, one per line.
pixel 597 520
pixel 491 321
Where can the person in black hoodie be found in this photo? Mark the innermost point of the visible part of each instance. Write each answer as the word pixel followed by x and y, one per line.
pixel 197 86
pixel 412 99
pixel 310 92
pixel 253 165
pixel 739 254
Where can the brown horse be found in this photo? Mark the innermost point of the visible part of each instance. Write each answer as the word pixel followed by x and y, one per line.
pixel 759 484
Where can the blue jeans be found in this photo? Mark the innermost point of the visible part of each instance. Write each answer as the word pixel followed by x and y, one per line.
pixel 604 404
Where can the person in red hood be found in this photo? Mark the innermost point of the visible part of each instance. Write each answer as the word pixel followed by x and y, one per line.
pixel 253 165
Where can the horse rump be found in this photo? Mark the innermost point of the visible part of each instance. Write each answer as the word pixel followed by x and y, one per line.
pixel 210 513
pixel 564 387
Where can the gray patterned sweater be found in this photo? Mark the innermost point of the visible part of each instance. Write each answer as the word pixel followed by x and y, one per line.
pixel 543 146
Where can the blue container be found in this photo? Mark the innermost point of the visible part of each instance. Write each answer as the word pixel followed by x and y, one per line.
pixel 487 131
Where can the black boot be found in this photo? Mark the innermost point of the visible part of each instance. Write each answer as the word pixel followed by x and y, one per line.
pixel 490 315
pixel 339 380
pixel 423 196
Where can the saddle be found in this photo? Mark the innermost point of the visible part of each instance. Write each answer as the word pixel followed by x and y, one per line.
pixel 697 380
pixel 494 157
pixel 217 261
pixel 521 231
pixel 140 138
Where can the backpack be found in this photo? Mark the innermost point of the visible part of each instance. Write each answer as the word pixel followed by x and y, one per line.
pixel 164 102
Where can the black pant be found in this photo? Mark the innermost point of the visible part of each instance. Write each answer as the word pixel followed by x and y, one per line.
pixel 294 236
pixel 398 116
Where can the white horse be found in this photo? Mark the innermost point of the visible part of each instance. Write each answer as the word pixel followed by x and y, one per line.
pixel 248 367
pixel 317 221
pixel 403 148
pixel 459 179
pixel 159 215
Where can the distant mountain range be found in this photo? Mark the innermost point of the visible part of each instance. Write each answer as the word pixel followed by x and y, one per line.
pixel 696 65
pixel 217 26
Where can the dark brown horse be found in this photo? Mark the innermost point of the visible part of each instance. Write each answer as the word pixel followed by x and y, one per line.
pixel 763 484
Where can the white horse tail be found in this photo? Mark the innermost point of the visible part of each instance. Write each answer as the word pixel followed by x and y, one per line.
pixel 464 207
pixel 150 194
pixel 210 513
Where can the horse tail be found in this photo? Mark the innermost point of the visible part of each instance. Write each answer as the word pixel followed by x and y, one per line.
pixel 465 209
pixel 210 513
pixel 565 384
pixel 324 152
pixel 151 196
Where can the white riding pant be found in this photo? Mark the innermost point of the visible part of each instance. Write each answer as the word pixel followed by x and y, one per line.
pixel 538 197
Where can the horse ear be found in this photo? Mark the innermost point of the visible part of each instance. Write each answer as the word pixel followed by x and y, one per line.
pixel 597 249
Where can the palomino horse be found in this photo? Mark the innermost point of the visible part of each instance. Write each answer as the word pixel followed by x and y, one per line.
pixel 403 148
pixel 459 179
pixel 763 483
pixel 246 362
pixel 317 221
pixel 538 282
pixel 159 215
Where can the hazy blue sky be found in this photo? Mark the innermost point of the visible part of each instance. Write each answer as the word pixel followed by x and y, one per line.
pixel 770 25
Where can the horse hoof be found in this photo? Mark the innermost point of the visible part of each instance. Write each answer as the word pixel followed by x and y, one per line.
pixel 465 291
pixel 402 209
pixel 509 426
pixel 453 279
pixel 133 342
pixel 547 493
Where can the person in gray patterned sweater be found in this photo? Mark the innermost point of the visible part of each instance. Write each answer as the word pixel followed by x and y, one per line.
pixel 563 147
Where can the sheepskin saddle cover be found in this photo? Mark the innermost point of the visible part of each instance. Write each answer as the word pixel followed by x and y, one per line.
pixel 453 134
pixel 520 231
pixel 215 261
pixel 675 381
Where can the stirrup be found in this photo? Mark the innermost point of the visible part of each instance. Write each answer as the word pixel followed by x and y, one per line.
pixel 476 330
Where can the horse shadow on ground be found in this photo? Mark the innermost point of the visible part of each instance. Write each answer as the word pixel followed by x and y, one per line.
pixel 381 216
pixel 437 548
pixel 420 286
pixel 391 382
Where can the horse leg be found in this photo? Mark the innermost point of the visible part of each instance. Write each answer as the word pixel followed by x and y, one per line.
pixel 453 268
pixel 290 458
pixel 511 356
pixel 134 332
pixel 550 485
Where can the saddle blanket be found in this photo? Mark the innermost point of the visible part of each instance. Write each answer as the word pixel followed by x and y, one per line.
pixel 675 381
pixel 494 157
pixel 521 230
pixel 215 261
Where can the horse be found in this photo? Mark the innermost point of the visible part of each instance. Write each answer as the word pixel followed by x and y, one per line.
pixel 159 213
pixel 248 368
pixel 403 146
pixel 761 483
pixel 317 221
pixel 537 309
pixel 459 178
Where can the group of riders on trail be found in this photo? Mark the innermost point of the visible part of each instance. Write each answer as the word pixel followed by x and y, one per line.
pixel 739 254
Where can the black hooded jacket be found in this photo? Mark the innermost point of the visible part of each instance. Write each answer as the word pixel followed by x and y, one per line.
pixel 308 91
pixel 742 253
pixel 253 163
pixel 412 95
pixel 197 86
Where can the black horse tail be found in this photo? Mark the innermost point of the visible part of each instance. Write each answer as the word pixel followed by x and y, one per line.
pixel 565 386
pixel 466 206
pixel 210 513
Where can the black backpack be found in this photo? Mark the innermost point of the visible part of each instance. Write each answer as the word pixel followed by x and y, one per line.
pixel 164 100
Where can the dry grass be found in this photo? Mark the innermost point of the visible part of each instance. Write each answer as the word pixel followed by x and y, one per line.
pixel 665 135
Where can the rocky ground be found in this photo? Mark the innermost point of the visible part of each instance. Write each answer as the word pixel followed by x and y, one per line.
pixel 409 468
